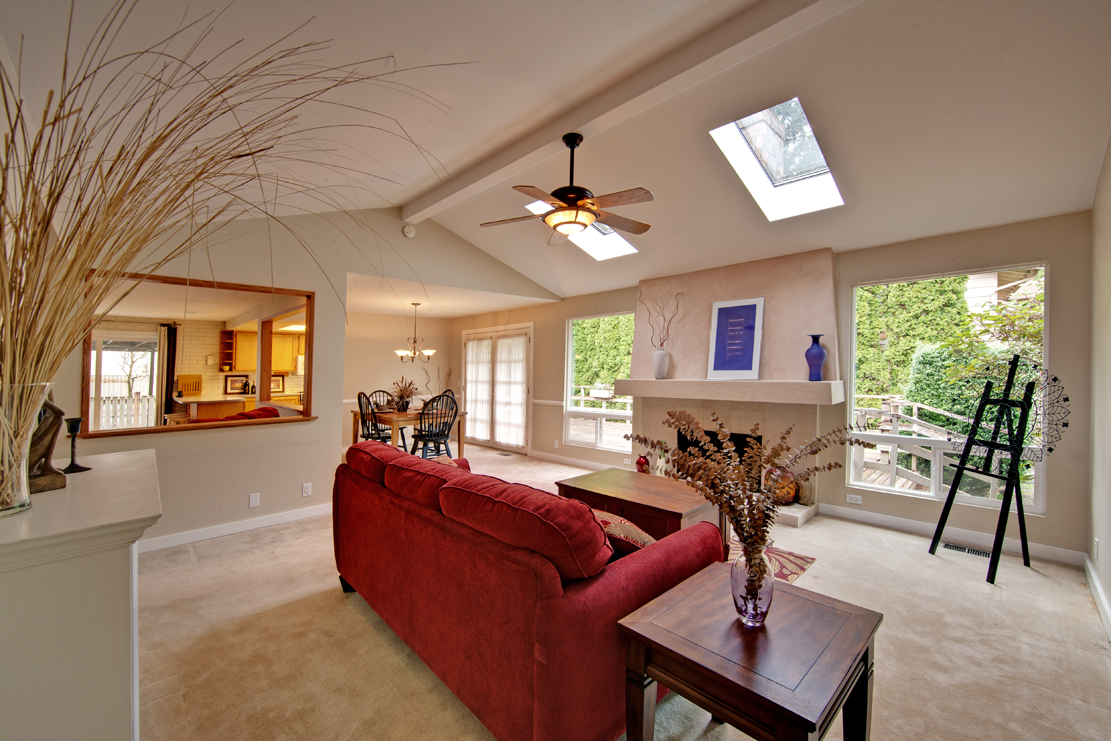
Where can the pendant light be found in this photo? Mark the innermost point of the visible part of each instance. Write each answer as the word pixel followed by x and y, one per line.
pixel 416 344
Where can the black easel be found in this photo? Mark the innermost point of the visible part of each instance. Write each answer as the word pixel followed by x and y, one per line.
pixel 1005 407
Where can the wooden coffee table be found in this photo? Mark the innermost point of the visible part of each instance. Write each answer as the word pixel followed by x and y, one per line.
pixel 784 681
pixel 658 505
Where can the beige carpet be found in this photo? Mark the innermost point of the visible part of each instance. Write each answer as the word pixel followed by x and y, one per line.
pixel 249 637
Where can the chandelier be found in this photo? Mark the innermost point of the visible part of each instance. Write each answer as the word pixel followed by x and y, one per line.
pixel 416 345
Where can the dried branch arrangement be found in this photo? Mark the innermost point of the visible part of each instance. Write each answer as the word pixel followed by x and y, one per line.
pixel 137 158
pixel 661 313
pixel 734 481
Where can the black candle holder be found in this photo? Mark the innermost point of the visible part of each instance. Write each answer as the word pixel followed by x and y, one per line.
pixel 73 426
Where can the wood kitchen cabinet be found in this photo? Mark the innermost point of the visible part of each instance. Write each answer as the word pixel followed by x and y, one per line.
pixel 284 349
pixel 246 351
pixel 283 353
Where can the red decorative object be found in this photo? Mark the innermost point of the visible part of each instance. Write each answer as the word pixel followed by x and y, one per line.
pixel 642 465
pixel 782 484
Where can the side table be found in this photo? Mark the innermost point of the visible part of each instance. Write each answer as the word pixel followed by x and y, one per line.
pixel 784 681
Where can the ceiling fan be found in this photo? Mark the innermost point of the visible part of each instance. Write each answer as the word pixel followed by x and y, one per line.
pixel 575 208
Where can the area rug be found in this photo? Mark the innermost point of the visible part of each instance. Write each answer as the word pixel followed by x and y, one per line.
pixel 787 566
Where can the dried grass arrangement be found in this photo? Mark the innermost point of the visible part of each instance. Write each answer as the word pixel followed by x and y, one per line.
pixel 735 481
pixel 137 158
pixel 661 313
pixel 403 391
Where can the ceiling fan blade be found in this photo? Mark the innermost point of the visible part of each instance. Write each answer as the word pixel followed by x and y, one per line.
pixel 623 198
pixel 557 239
pixel 510 221
pixel 620 222
pixel 533 192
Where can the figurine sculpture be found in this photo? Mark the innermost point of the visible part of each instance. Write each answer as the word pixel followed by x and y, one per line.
pixel 42 475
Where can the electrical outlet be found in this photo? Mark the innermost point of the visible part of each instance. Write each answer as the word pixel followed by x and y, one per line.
pixel 1095 549
pixel 628 461
pixel 254 501
pixel 306 490
pixel 854 498
pixel 556 444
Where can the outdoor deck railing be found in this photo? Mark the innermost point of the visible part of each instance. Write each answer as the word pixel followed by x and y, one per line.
pixel 121 412
pixel 912 454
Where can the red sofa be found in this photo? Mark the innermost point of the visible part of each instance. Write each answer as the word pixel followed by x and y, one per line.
pixel 256 413
pixel 526 637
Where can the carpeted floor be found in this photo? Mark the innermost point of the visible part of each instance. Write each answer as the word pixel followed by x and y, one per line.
pixel 249 637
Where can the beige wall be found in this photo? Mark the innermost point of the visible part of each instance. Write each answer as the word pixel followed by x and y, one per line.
pixel 550 362
pixel 798 301
pixel 1064 243
pixel 1101 377
pixel 370 363
pixel 206 476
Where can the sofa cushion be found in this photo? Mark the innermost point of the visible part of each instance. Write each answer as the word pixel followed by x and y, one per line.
pixel 562 530
pixel 370 458
pixel 419 480
pixel 624 536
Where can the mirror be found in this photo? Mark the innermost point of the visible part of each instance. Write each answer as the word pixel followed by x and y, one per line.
pixel 172 355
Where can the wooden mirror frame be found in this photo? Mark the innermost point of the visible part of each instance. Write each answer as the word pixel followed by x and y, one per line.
pixel 265 338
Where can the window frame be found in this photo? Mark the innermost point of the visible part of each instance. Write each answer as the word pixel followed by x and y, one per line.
pixel 938 490
pixel 598 416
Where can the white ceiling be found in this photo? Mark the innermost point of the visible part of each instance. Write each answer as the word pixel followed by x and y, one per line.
pixel 181 303
pixel 935 117
pixel 371 294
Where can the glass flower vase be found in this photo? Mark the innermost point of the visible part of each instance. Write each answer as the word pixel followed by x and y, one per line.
pixel 19 408
pixel 753 585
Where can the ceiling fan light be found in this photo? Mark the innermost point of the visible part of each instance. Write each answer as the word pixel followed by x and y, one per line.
pixel 570 219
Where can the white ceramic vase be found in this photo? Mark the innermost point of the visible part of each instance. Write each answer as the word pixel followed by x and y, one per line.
pixel 660 362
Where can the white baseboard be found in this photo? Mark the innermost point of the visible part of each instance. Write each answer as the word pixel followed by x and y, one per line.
pixel 577 463
pixel 956 535
pixel 1098 593
pixel 231 528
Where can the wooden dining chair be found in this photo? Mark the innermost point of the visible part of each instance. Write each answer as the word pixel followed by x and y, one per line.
pixel 434 426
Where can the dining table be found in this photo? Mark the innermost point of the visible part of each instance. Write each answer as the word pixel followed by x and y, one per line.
pixel 397 420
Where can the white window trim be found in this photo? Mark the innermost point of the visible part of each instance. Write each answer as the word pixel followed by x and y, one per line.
pixel 1037 507
pixel 527 328
pixel 570 412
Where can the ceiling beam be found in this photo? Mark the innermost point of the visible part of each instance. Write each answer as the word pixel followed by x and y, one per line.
pixel 754 31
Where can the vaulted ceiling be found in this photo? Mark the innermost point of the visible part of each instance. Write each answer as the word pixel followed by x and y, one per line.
pixel 935 116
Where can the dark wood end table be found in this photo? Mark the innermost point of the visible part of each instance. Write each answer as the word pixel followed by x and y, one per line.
pixel 784 681
pixel 658 505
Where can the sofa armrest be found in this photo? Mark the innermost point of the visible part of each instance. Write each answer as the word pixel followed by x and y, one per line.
pixel 580 652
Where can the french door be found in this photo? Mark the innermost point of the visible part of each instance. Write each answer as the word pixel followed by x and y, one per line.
pixel 497 374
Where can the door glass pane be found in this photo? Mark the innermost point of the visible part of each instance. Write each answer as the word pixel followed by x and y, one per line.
pixel 478 378
pixel 510 390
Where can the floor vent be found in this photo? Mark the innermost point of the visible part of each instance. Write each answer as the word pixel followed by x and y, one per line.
pixel 962 549
pixel 505 454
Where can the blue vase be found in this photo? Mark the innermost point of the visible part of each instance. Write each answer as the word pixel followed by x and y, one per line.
pixel 815 358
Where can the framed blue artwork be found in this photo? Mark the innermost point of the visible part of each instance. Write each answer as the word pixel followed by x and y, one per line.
pixel 735 328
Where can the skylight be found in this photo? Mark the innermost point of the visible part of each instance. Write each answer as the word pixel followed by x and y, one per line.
pixel 777 157
pixel 597 240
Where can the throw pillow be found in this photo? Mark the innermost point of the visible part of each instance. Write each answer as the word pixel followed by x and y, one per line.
pixel 445 460
pixel 624 536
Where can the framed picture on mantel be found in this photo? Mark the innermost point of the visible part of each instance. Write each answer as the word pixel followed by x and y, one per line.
pixel 735 329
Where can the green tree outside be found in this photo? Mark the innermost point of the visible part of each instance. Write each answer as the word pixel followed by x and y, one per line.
pixel 894 319
pixel 603 351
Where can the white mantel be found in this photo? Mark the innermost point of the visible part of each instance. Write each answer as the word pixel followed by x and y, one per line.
pixel 822 393
pixel 68 602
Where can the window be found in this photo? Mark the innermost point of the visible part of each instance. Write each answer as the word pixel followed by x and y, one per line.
pixel 599 351
pixel 496 378
pixel 777 156
pixel 123 388
pixel 920 354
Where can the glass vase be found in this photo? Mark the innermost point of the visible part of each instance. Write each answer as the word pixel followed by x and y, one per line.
pixel 753 585
pixel 19 408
